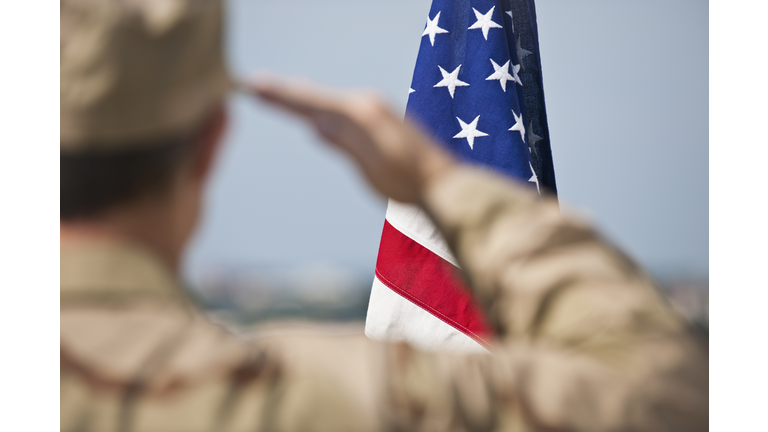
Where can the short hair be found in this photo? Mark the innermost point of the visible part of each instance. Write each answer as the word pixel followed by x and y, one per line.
pixel 97 180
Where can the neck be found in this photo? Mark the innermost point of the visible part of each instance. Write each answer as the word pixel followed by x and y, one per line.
pixel 155 226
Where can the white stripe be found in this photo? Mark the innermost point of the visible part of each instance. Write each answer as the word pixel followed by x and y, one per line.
pixel 393 318
pixel 411 220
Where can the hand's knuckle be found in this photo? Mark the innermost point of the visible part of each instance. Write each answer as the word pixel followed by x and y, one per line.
pixel 368 109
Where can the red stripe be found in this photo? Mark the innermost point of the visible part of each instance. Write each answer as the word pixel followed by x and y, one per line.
pixel 434 284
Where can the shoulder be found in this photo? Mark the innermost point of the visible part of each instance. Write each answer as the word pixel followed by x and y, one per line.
pixel 178 363
pixel 161 344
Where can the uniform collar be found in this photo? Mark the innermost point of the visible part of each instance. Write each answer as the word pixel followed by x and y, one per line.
pixel 114 270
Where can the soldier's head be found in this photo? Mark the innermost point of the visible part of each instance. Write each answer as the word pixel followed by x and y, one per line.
pixel 142 90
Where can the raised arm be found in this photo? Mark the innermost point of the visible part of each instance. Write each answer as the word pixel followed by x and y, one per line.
pixel 586 341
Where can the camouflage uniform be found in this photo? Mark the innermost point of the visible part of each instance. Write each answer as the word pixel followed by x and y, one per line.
pixel 585 342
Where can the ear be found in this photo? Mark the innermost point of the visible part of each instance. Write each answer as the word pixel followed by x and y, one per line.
pixel 210 141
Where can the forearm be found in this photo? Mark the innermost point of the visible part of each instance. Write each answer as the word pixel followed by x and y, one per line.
pixel 584 337
pixel 513 245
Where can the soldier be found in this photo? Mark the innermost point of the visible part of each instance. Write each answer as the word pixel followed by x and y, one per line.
pixel 584 340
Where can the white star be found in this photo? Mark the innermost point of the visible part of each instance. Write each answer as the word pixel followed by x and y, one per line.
pixel 432 29
pixel 410 90
pixel 515 70
pixel 532 137
pixel 451 80
pixel 509 12
pixel 484 22
pixel 469 131
pixel 534 178
pixel 518 125
pixel 502 74
pixel 521 52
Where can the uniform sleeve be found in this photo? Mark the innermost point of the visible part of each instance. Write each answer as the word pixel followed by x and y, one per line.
pixel 585 340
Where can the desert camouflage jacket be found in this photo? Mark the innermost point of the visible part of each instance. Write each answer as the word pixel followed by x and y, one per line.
pixel 584 342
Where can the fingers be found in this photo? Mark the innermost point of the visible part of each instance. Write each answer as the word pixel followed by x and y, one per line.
pixel 344 118
pixel 396 157
pixel 297 96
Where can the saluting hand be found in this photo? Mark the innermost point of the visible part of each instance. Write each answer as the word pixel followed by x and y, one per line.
pixel 396 157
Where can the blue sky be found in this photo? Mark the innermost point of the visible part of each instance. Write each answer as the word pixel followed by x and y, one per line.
pixel 626 87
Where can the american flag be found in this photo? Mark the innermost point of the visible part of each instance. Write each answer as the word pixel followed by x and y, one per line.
pixel 477 89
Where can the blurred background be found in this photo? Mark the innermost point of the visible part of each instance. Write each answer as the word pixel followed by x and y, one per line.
pixel 291 231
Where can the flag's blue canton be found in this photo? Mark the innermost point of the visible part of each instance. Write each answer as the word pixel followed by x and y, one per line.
pixel 467 88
